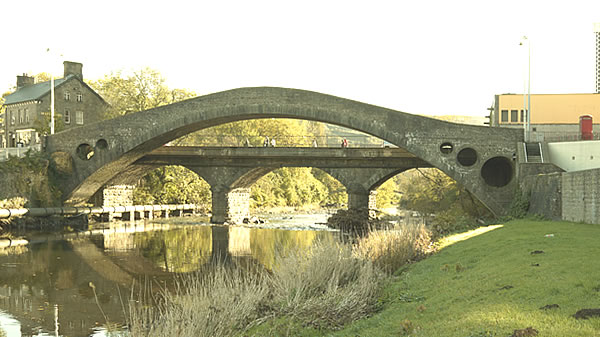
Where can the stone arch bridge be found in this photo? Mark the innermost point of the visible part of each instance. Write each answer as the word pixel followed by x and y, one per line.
pixel 478 157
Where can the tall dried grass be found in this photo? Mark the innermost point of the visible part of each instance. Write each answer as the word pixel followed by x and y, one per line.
pixel 391 249
pixel 222 302
pixel 325 286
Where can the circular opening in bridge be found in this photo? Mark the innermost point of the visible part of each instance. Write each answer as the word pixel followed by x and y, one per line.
pixel 497 171
pixel 446 148
pixel 85 151
pixel 467 156
pixel 102 144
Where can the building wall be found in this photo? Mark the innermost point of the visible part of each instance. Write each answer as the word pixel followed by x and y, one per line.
pixel 550 109
pixel 22 117
pixel 575 156
pixel 91 106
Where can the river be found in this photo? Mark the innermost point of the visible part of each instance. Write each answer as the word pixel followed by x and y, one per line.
pixel 71 283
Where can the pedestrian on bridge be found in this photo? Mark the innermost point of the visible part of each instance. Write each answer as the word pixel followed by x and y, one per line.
pixel 273 142
pixel 266 142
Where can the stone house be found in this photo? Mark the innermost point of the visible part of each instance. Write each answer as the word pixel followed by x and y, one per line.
pixel 75 104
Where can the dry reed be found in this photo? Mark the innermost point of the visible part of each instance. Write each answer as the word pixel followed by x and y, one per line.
pixel 391 249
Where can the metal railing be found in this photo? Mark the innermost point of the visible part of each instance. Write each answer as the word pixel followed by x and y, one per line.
pixel 18 151
pixel 285 141
pixel 550 137
pixel 74 211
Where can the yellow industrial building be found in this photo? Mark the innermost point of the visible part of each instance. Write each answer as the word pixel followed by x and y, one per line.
pixel 553 116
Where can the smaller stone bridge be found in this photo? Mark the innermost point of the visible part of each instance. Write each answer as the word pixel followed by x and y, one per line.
pixel 231 171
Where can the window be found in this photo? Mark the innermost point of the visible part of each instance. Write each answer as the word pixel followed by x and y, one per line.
pixel 523 115
pixel 504 116
pixel 67 117
pixel 67 96
pixel 79 117
pixel 12 117
pixel 26 115
pixel 79 97
pixel 514 116
pixel 20 116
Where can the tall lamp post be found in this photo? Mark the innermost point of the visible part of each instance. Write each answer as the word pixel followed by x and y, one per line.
pixel 51 95
pixel 527 98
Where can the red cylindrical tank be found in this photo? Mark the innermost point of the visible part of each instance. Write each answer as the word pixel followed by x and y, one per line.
pixel 586 127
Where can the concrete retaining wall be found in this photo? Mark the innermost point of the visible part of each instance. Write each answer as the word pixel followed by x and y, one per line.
pixel 544 194
pixel 581 196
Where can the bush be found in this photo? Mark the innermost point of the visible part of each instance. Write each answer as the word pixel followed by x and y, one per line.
pixel 450 221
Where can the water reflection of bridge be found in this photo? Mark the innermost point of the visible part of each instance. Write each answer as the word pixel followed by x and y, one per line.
pixel 58 269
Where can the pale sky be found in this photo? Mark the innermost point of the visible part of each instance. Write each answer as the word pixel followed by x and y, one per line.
pixel 423 57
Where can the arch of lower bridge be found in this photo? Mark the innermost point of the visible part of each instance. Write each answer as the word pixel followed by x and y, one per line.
pixel 230 185
pixel 458 150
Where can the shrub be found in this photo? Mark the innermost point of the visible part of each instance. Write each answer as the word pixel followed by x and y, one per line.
pixel 451 221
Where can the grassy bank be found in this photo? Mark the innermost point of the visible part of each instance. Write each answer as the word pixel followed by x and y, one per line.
pixel 488 282
pixel 492 284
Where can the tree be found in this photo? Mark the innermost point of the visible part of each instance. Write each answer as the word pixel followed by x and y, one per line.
pixel 42 123
pixel 144 89
pixel 172 185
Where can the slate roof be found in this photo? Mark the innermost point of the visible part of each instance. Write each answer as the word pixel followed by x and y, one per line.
pixel 34 91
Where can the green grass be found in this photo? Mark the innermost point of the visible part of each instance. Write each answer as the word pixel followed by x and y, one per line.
pixel 465 289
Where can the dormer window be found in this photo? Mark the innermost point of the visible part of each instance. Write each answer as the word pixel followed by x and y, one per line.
pixel 67 95
pixel 79 97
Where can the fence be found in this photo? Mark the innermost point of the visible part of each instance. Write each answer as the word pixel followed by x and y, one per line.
pixel 550 137
pixel 18 151
pixel 287 141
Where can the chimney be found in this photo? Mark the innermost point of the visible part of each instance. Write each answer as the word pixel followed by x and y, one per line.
pixel 24 81
pixel 73 68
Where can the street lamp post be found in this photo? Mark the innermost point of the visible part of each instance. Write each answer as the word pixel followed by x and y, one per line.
pixel 527 98
pixel 51 104
pixel 52 99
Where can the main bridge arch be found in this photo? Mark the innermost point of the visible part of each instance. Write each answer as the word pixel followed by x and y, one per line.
pixel 472 155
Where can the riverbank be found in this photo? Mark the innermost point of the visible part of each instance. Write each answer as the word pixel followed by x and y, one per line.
pixel 519 279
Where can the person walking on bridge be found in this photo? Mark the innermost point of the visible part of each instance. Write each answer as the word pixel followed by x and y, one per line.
pixel 266 142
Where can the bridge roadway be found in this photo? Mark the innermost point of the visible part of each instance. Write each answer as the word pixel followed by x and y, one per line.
pixel 322 157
